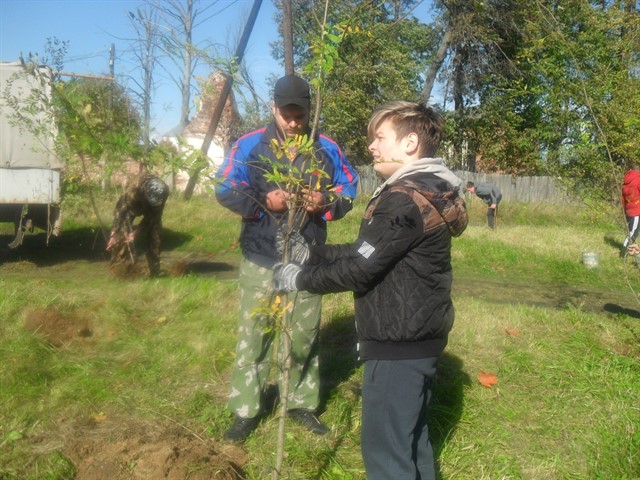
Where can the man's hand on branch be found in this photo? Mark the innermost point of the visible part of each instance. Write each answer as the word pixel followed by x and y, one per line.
pixel 298 247
pixel 112 241
pixel 284 277
pixel 313 200
pixel 277 201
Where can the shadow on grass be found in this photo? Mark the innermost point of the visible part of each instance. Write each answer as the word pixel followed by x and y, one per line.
pixel 87 244
pixel 618 310
pixel 338 355
pixel 445 409
pixel 613 242
pixel 630 325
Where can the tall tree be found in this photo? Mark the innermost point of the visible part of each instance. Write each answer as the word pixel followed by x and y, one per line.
pixel 144 47
pixel 478 41
pixel 181 18
pixel 586 57
pixel 97 121
pixel 224 94
pixel 381 56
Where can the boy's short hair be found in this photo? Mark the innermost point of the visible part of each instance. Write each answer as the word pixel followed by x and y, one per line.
pixel 410 117
pixel 470 185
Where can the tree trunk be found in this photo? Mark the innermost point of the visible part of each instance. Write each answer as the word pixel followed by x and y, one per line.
pixel 458 102
pixel 287 32
pixel 435 65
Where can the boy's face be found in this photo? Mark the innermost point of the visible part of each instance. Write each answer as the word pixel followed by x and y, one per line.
pixel 292 118
pixel 389 152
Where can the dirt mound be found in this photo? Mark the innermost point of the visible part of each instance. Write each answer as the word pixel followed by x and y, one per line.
pixel 128 271
pixel 55 327
pixel 142 452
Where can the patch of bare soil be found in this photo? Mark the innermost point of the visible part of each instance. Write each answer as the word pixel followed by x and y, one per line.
pixel 55 327
pixel 537 294
pixel 223 265
pixel 127 449
pixel 109 448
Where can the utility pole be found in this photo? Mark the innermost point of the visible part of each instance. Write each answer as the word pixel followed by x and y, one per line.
pixel 112 59
pixel 287 33
pixel 112 62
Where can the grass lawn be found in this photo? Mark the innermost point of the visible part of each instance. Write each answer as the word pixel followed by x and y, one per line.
pixel 111 378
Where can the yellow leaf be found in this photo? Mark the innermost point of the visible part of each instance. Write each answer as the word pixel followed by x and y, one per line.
pixel 99 417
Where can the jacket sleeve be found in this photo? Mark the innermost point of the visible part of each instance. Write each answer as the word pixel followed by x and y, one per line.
pixel 233 188
pixel 327 253
pixel 340 199
pixel 395 228
pixel 125 210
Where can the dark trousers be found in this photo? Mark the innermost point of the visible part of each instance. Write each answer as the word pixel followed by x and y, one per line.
pixel 634 227
pixel 395 437
pixel 491 217
pixel 492 213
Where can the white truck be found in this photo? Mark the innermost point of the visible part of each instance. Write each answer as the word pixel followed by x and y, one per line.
pixel 29 169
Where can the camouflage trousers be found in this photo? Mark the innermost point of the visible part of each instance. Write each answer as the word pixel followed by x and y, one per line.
pixel 255 347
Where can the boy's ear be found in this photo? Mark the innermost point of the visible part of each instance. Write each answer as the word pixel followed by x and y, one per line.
pixel 412 143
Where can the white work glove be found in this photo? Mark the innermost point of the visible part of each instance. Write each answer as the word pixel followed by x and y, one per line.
pixel 284 277
pixel 298 247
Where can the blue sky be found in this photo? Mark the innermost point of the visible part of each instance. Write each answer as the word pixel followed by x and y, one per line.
pixel 92 26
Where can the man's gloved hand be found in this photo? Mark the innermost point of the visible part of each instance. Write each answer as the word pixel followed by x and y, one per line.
pixel 284 277
pixel 298 247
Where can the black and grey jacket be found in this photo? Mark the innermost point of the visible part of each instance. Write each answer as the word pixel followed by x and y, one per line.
pixel 399 268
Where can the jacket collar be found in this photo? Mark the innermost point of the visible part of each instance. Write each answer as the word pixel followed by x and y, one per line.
pixel 434 166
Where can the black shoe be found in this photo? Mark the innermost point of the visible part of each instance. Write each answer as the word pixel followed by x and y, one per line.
pixel 241 428
pixel 308 420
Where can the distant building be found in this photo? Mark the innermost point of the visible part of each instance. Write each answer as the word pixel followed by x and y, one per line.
pixel 197 128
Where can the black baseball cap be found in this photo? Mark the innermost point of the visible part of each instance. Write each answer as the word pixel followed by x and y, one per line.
pixel 291 90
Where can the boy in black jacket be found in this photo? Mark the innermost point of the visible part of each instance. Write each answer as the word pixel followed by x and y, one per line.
pixel 399 269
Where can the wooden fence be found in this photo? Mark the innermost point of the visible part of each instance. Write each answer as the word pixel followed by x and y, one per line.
pixel 513 188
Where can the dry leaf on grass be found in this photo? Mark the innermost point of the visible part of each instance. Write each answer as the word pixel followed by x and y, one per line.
pixel 487 379
pixel 512 331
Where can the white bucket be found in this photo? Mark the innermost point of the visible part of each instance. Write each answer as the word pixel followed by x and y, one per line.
pixel 590 259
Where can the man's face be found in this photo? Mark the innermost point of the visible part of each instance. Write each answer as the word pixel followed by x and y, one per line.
pixel 292 118
pixel 387 150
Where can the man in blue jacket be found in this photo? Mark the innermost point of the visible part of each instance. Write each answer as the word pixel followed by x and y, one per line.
pixel 244 189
